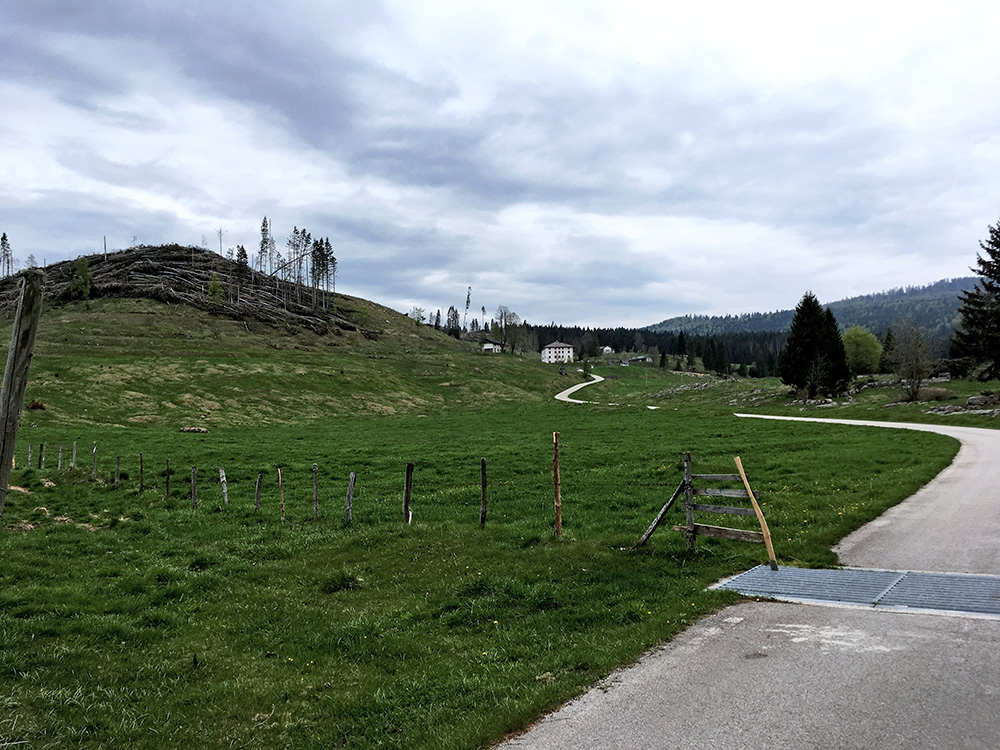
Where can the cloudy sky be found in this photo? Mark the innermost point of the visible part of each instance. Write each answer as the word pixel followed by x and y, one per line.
pixel 591 163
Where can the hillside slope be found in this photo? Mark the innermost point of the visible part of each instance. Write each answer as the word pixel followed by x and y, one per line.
pixel 125 360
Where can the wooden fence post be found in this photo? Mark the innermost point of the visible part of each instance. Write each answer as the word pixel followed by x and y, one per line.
pixel 482 505
pixel 15 376
pixel 281 495
pixel 41 455
pixel 194 486
pixel 557 482
pixel 689 502
pixel 260 478
pixel 407 491
pixel 94 472
pixel 29 455
pixel 59 466
pixel 348 512
pixel 315 492
pixel 118 470
pixel 73 464
pixel 225 486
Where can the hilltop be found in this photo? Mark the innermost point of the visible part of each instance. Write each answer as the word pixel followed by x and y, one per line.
pixel 151 347
pixel 933 307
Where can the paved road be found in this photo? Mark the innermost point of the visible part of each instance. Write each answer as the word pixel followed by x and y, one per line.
pixel 568 393
pixel 776 676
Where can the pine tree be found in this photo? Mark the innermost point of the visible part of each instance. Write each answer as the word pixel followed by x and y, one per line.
pixel 6 260
pixel 813 358
pixel 977 340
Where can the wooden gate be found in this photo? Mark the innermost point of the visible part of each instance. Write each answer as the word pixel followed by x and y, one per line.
pixel 692 530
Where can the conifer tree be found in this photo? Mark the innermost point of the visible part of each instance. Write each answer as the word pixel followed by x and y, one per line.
pixel 977 340
pixel 813 358
pixel 6 259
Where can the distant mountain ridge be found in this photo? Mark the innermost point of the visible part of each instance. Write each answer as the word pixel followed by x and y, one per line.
pixel 933 307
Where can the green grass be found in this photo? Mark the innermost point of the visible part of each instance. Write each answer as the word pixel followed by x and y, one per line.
pixel 128 618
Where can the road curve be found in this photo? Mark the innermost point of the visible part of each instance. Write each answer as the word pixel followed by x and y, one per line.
pixel 776 676
pixel 565 395
pixel 951 525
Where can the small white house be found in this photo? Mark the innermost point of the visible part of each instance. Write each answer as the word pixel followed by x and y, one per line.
pixel 491 347
pixel 607 350
pixel 557 351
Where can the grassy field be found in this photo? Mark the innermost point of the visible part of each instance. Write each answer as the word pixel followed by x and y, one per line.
pixel 128 618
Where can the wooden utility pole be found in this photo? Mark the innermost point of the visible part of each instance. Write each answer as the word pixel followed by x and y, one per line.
pixel 15 376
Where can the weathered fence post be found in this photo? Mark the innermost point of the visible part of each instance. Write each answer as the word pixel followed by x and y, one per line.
pixel 94 472
pixel 348 511
pixel 194 486
pixel 41 455
pixel 225 486
pixel 260 478
pixel 407 490
pixel 315 492
pixel 73 464
pixel 281 495
pixel 59 465
pixel 482 505
pixel 118 470
pixel 15 376
pixel 556 481
pixel 689 502
pixel 29 455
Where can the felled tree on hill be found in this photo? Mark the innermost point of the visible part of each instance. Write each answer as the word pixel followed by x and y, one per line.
pixel 977 340
pixel 813 358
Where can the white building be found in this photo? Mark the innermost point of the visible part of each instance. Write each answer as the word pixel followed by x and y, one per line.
pixel 557 351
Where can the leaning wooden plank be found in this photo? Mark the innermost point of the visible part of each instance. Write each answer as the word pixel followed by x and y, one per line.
pixel 723 532
pixel 661 514
pixel 772 561
pixel 725 509
pixel 711 492
pixel 718 477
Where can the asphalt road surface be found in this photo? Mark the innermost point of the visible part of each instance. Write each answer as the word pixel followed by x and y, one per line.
pixel 776 675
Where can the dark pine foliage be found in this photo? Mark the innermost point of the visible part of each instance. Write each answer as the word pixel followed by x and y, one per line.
pixel 813 358
pixel 977 340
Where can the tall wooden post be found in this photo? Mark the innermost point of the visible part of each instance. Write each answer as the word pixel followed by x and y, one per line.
pixel 73 464
pixel 118 470
pixel 482 503
pixel 15 376
pixel 260 478
pixel 348 510
pixel 194 486
pixel 689 501
pixel 315 492
pixel 94 470
pixel 59 464
pixel 281 495
pixel 557 482
pixel 407 490
pixel 41 455
pixel 225 486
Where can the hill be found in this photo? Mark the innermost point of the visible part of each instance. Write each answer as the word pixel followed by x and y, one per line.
pixel 933 307
pixel 150 347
